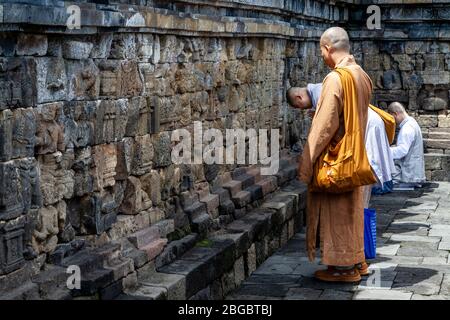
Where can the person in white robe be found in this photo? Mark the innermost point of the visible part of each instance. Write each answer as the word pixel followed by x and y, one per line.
pixel 377 142
pixel 408 151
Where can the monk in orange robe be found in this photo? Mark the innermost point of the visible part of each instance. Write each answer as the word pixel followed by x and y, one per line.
pixel 338 218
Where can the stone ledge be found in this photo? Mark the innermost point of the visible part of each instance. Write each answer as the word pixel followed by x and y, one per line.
pixel 157 20
pixel 230 256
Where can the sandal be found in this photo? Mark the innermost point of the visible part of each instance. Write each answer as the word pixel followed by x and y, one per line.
pixel 335 275
pixel 363 268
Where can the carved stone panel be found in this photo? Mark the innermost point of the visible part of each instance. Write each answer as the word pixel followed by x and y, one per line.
pixel 11 245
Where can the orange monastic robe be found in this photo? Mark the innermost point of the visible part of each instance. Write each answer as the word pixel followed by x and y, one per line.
pixel 339 217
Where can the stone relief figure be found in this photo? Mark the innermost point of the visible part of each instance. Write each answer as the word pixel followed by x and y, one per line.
pixel 57 181
pixel 11 200
pixel 420 62
pixel 11 244
pixel 104 170
pixel 245 50
pixel 45 235
pixel 49 134
pixel 135 199
pixel 392 79
pixel 447 61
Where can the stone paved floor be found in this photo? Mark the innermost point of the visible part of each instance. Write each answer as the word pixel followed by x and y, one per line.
pixel 412 261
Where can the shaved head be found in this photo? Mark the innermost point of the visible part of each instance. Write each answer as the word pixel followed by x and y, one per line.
pixel 397 110
pixel 396 107
pixel 336 38
pixel 298 97
pixel 294 91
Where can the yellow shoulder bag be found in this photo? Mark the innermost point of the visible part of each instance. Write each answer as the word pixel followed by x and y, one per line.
pixel 345 166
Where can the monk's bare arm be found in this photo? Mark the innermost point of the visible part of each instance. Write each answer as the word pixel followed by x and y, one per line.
pixel 324 125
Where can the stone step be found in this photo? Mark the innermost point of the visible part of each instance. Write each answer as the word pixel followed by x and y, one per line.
pixel 437 143
pixel 268 184
pixel 255 172
pixel 86 260
pixel 154 248
pixel 143 237
pixel 176 249
pixel 165 227
pixel 437 135
pixel 246 180
pixel 233 187
pixel 227 208
pixel 256 192
pixel 188 198
pixel 241 199
pixel 232 249
pixel 212 202
pixel 195 210
pixel 93 281
pixel 201 224
pixel 173 285
pixel 287 174
pixel 439 129
pixel 102 270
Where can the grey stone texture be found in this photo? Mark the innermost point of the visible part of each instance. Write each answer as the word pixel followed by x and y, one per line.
pixel 87 115
pixel 407 266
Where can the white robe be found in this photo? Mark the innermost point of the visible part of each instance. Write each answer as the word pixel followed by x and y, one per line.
pixel 408 153
pixel 377 148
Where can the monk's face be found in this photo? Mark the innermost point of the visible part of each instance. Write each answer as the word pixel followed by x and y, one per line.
pixel 326 51
pixel 398 117
pixel 301 99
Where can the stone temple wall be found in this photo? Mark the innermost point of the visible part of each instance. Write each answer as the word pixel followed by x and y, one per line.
pixel 409 61
pixel 86 116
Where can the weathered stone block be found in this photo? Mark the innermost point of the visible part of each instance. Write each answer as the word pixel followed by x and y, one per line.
pixel 434 104
pixel 251 260
pixel 162 147
pixel 135 199
pixel 139 117
pixel 105 162
pixel 123 46
pixel 101 46
pixel 11 245
pixel 51 79
pixel 86 216
pixel 110 121
pixel 131 83
pixel 11 200
pixel 17 130
pixel 174 284
pixel 18 82
pixel 143 155
pixel 31 45
pixel 49 133
pixel 83 79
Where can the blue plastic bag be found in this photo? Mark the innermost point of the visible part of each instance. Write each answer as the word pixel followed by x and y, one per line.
pixel 370 233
